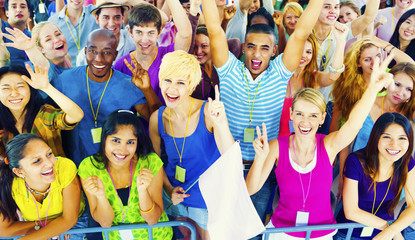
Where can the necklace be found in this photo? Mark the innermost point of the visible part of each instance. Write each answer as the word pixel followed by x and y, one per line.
pixel 38 193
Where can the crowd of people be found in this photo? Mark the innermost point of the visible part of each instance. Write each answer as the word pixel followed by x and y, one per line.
pixel 111 110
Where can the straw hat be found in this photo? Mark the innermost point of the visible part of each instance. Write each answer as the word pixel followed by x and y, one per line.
pixel 100 4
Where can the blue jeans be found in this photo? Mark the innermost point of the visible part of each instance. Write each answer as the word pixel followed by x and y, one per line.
pixel 408 234
pixel 82 223
pixel 262 197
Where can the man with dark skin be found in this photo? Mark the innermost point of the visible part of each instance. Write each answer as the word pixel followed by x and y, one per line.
pixel 99 90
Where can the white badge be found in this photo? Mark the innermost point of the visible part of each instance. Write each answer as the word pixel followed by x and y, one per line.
pixel 302 219
pixel 126 234
pixel 367 232
pixel 42 8
pixel 291 125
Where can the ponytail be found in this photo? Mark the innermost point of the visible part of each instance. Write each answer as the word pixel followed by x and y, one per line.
pixel 8 206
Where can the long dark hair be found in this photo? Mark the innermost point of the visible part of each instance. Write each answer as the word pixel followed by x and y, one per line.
pixel 111 125
pixel 7 120
pixel 14 153
pixel 369 158
pixel 410 50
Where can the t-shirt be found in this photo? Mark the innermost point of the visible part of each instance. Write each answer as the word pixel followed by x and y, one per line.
pixel 153 70
pixel 119 94
pixel 77 35
pixel 90 167
pixel 354 170
pixel 17 56
pixel 65 172
pixel 237 25
pixel 271 85
pixel 386 30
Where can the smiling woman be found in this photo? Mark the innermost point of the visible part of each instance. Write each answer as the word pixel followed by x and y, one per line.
pixel 404 35
pixel 44 188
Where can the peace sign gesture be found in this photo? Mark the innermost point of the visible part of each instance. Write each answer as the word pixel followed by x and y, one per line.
pixel 260 144
pixel 380 78
pixel 217 109
pixel 140 77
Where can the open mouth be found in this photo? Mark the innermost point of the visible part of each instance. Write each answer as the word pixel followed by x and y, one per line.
pixel 120 157
pixel 393 152
pixel 99 67
pixel 19 15
pixel 16 101
pixel 256 64
pixel 304 130
pixel 408 34
pixel 171 98
pixel 60 46
pixel 331 17
pixel 48 173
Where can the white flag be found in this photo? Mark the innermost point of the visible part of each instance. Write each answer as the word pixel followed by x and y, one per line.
pixel 231 213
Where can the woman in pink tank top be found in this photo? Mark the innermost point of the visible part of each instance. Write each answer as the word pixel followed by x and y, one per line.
pixel 304 159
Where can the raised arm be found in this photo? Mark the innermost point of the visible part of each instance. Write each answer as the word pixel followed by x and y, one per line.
pixel 295 44
pixel 27 44
pixel 184 29
pixel 325 79
pixel 40 80
pixel 379 79
pixel 359 24
pixel 154 133
pixel 266 156
pixel 218 43
pixel 399 56
pixel 216 119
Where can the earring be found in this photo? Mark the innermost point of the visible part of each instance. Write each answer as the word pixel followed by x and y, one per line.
pixel 319 125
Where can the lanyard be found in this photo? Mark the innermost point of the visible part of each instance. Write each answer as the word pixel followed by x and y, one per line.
pixel 47 211
pixel 185 133
pixel 102 95
pixel 129 192
pixel 373 206
pixel 78 44
pixel 324 57
pixel 393 21
pixel 250 107
pixel 299 175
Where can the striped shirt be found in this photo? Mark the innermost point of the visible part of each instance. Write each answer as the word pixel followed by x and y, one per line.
pixel 48 124
pixel 268 102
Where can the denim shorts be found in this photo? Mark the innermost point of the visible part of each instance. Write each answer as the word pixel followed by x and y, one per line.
pixel 199 215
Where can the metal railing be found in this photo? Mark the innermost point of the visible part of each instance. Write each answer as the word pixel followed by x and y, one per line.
pixel 129 227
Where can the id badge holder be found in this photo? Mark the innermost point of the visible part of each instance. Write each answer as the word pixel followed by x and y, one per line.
pixel 96 134
pixel 367 232
pixel 42 8
pixel 180 174
pixel 249 135
pixel 126 234
pixel 291 126
pixel 302 218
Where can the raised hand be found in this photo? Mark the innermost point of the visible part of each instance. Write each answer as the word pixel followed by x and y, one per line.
pixel 380 78
pixel 260 144
pixel 340 31
pixel 39 79
pixel 217 109
pixel 178 195
pixel 19 39
pixel 94 186
pixel 229 12
pixel 140 77
pixel 277 16
pixel 144 178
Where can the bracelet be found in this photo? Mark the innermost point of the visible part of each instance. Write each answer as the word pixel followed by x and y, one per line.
pixel 391 50
pixel 151 209
pixel 332 70
pixel 384 49
pixel 8 57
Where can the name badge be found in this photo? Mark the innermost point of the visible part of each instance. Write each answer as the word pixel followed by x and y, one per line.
pixel 249 135
pixel 180 174
pixel 126 234
pixel 42 8
pixel 96 134
pixel 291 125
pixel 367 232
pixel 302 218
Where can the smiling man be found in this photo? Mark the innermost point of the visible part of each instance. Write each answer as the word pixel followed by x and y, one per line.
pixel 98 90
pixel 110 16
pixel 17 12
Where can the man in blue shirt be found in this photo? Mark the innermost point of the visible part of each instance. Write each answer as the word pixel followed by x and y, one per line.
pixel 98 90
pixel 18 13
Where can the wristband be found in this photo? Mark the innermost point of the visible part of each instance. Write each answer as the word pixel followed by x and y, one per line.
pixel 332 70
pixel 151 209
pixel 391 50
